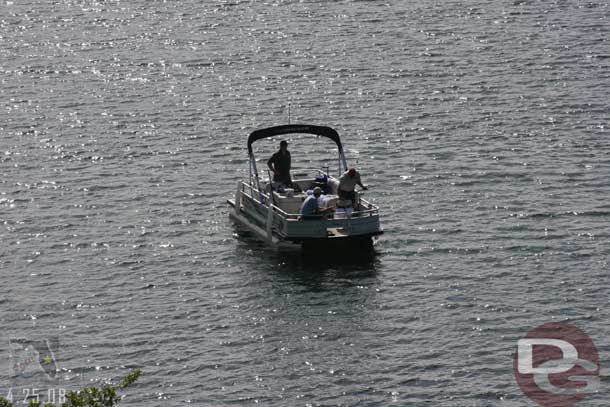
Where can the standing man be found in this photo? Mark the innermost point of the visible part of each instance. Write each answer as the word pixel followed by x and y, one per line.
pixel 279 164
pixel 347 184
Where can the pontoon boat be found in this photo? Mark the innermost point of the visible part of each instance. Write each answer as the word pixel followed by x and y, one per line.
pixel 271 211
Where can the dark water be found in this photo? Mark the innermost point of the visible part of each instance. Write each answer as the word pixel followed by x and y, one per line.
pixel 480 126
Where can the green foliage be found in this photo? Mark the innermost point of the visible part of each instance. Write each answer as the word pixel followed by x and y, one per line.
pixel 131 379
pixel 93 397
pixel 105 396
pixel 34 403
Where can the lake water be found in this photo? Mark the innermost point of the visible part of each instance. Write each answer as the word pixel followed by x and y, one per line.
pixel 481 128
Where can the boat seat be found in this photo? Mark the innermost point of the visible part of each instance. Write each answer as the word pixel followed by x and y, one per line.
pixel 291 204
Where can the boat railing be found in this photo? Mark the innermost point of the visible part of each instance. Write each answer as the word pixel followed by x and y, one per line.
pixel 306 172
pixel 263 199
pixel 254 194
pixel 301 174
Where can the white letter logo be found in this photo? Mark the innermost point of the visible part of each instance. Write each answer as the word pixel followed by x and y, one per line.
pixel 526 356
pixel 557 365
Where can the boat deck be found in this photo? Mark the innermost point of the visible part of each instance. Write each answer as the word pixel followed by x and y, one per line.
pixel 262 213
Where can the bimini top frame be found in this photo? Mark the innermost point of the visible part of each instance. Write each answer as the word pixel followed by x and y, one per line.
pixel 323 131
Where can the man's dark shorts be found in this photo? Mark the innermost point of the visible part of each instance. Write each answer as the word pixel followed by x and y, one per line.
pixel 347 195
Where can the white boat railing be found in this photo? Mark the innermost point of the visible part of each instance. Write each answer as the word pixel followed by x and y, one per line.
pixel 307 172
pixel 252 193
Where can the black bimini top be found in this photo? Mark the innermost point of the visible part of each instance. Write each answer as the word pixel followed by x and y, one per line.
pixel 294 128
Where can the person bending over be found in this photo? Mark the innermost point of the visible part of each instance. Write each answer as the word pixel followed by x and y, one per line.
pixel 347 185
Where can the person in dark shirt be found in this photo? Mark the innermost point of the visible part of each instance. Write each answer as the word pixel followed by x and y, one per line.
pixel 279 164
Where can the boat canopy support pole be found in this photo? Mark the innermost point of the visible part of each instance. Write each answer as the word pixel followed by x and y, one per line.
pixel 342 161
pixel 250 172
pixel 258 183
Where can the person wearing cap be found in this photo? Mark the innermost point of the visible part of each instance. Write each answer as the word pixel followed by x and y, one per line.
pixel 310 208
pixel 347 185
pixel 279 164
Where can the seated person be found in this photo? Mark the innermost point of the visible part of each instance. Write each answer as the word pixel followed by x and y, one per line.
pixel 310 208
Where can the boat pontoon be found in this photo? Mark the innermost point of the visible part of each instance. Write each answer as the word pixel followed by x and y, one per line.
pixel 271 211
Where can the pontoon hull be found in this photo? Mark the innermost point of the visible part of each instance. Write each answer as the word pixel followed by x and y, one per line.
pixel 335 233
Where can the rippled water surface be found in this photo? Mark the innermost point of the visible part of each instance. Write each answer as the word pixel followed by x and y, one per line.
pixel 481 128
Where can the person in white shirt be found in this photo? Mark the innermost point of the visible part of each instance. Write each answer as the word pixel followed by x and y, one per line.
pixel 311 207
pixel 347 185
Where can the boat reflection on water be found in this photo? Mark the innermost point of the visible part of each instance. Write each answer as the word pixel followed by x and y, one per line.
pixel 313 259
